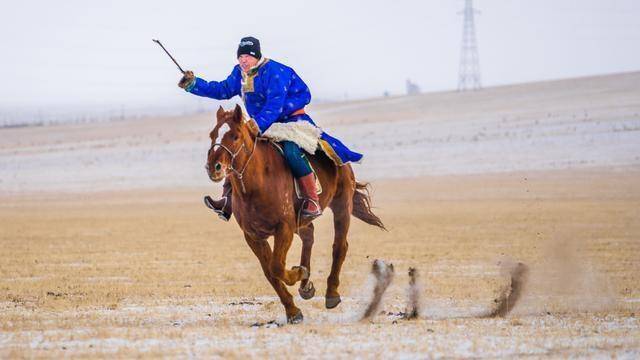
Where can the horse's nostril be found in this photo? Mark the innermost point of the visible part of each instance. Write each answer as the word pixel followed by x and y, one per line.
pixel 218 167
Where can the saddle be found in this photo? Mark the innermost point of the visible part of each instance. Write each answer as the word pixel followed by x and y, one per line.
pixel 278 147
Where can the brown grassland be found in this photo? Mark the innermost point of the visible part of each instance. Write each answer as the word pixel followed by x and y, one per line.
pixel 154 273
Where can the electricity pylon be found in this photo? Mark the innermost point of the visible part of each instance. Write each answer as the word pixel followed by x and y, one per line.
pixel 469 77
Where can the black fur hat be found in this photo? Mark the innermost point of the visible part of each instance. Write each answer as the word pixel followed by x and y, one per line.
pixel 249 46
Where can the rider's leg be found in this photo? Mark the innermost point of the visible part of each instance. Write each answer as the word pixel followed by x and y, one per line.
pixel 221 206
pixel 306 179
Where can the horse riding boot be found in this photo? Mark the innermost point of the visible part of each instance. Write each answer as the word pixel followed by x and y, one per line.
pixel 311 206
pixel 222 207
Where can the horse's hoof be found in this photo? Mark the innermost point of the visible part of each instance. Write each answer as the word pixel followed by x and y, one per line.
pixel 308 291
pixel 331 302
pixel 304 270
pixel 295 319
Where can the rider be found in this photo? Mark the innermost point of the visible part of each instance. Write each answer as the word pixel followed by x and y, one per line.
pixel 272 92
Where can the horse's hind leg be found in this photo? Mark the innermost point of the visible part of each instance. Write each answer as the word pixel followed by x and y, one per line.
pixel 261 249
pixel 341 207
pixel 306 289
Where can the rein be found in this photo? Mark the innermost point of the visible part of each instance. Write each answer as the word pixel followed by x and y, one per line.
pixel 240 173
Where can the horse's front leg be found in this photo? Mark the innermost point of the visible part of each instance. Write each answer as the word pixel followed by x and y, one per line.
pixel 306 289
pixel 261 249
pixel 281 244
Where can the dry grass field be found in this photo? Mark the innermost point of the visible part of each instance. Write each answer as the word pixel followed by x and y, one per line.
pixel 108 251
pixel 153 273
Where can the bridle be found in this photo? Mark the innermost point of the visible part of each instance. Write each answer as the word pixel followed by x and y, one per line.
pixel 238 173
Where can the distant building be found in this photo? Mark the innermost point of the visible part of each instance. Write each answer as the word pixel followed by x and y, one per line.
pixel 412 89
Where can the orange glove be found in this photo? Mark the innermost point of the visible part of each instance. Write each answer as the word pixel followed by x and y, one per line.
pixel 187 79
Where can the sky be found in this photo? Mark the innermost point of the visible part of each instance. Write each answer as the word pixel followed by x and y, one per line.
pixel 99 53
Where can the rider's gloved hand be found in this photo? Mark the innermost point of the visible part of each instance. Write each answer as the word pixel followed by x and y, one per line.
pixel 187 79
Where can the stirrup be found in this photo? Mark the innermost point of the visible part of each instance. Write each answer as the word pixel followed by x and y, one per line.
pixel 208 202
pixel 309 214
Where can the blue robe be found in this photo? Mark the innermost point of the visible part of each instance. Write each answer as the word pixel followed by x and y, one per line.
pixel 272 94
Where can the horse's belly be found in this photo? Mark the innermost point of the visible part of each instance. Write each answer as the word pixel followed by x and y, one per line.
pixel 262 214
pixel 256 224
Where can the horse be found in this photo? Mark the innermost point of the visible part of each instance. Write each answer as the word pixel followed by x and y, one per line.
pixel 265 204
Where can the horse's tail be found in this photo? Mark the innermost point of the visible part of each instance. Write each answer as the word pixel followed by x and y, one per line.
pixel 362 206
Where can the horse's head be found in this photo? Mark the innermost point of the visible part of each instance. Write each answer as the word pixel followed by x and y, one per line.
pixel 230 138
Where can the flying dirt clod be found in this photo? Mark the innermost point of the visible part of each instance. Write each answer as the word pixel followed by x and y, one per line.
pixel 518 274
pixel 413 295
pixel 383 274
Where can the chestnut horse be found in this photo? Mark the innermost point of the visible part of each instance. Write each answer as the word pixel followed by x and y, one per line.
pixel 265 204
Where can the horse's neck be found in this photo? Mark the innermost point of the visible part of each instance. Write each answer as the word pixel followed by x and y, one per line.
pixel 252 178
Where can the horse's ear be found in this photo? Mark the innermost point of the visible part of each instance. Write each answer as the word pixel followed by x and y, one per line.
pixel 220 113
pixel 237 114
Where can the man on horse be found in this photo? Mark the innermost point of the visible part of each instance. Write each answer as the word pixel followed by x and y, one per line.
pixel 272 94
